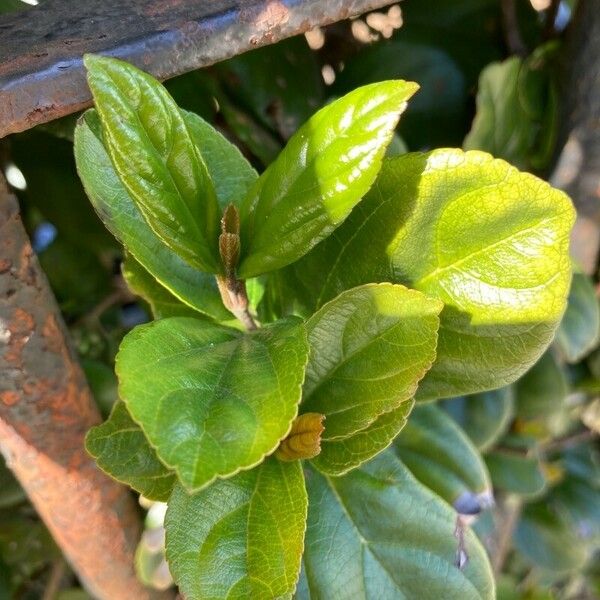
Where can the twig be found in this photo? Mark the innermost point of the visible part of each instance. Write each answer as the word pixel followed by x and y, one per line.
pixel 54 580
pixel 511 28
pixel 505 529
pixel 569 441
pixel 235 299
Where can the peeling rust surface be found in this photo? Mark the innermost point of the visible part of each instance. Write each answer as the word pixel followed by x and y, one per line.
pixel 45 410
pixel 41 71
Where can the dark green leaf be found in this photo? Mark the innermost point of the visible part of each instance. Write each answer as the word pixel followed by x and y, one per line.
pixel 369 348
pixel 152 150
pixel 484 417
pixel 489 241
pixel 549 541
pixel 322 173
pixel 121 216
pixel 210 399
pixel 241 537
pixel 377 533
pixel 517 111
pixel 121 450
pixel 162 302
pixel 441 457
pixel 542 391
pixel 579 330
pixel 515 469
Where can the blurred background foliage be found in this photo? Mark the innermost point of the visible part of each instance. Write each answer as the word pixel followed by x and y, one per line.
pixel 489 80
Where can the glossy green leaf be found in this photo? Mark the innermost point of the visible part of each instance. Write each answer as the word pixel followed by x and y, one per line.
pixel 162 302
pixel 212 400
pixel 152 150
pixel 122 450
pixel 377 533
pixel 489 241
pixel 542 391
pixel 484 417
pixel 436 114
pixel 321 174
pixel 580 328
pixel 441 457
pixel 121 216
pixel 241 537
pixel 369 347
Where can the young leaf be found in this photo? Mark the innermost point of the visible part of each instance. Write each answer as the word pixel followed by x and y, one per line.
pixel 366 539
pixel 121 450
pixel 580 328
pixel 489 241
pixel 157 161
pixel 124 220
pixel 368 350
pixel 321 174
pixel 241 537
pixel 484 417
pixel 212 400
pixel 442 458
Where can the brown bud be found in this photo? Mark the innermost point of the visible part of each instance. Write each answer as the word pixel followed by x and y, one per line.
pixel 230 221
pixel 229 249
pixel 304 439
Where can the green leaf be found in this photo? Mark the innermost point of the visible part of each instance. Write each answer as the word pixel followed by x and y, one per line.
pixel 157 161
pixel 121 450
pixel 241 537
pixel 369 347
pixel 487 240
pixel 580 328
pixel 123 219
pixel 377 533
pixel 517 108
pixel 548 540
pixel 436 115
pixel 441 457
pixel 484 417
pixel 340 455
pixel 231 174
pixel 321 174
pixel 212 400
pixel 516 470
pixel 162 302
pixel 542 391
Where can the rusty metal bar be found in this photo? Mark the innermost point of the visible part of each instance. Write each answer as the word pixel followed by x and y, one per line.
pixel 45 410
pixel 41 72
